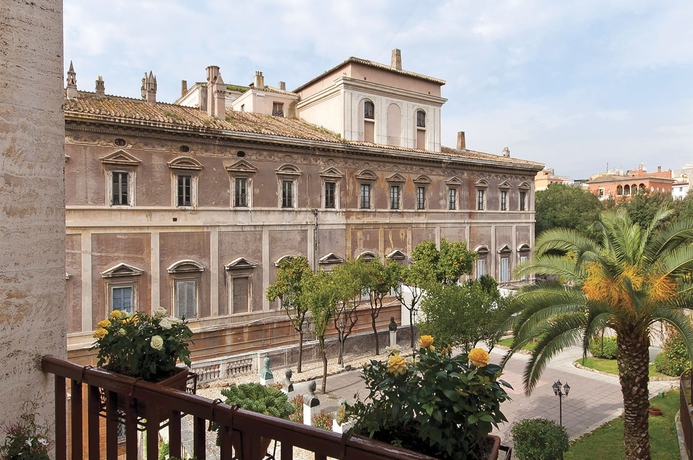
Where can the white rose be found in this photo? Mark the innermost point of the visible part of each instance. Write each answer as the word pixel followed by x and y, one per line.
pixel 160 312
pixel 166 323
pixel 157 342
pixel 174 320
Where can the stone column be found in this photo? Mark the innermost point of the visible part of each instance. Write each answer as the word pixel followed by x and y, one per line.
pixel 32 207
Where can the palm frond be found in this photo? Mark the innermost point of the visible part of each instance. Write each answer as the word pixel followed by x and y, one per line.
pixel 679 321
pixel 674 235
pixel 564 240
pixel 597 319
pixel 551 265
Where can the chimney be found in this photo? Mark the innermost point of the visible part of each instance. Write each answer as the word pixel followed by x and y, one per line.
pixel 506 152
pixel 282 86
pixel 183 87
pixel 216 93
pixel 71 83
pixel 461 142
pixel 396 62
pixel 659 169
pixel 100 87
pixel 148 89
pixel 259 81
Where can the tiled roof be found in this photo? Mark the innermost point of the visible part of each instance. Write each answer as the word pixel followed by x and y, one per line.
pixel 373 64
pixel 614 178
pixel 137 112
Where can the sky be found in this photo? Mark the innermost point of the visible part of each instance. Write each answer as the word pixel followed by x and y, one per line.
pixel 580 86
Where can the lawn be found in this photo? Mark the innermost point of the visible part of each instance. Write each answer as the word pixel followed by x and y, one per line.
pixel 610 367
pixel 509 341
pixel 606 442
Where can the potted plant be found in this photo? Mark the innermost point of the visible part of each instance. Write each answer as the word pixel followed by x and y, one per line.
pixel 144 346
pixel 254 397
pixel 539 439
pixel 437 404
pixel 26 439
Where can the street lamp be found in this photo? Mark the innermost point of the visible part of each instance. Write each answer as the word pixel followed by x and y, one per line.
pixel 560 391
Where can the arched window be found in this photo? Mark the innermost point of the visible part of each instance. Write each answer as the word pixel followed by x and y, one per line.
pixel 368 110
pixel 368 121
pixel 619 190
pixel 626 190
pixel 420 119
pixel 420 129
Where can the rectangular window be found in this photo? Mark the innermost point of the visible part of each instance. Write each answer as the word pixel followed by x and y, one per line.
pixel 480 268
pixel 121 298
pixel 505 270
pixel 241 193
pixel 523 259
pixel 452 199
pixel 240 295
pixel 523 201
pixel 480 200
pixel 365 196
pixel 184 192
pixel 287 194
pixel 394 197
pixel 278 109
pixel 504 200
pixel 120 188
pixel 420 197
pixel 186 299
pixel 330 192
pixel 421 139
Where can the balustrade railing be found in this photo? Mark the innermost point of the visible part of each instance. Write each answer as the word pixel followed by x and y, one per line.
pixel 101 404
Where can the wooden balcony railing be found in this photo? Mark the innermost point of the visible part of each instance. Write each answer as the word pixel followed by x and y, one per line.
pixel 686 408
pixel 139 405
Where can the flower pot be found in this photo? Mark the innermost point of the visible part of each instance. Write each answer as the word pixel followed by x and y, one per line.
pixel 260 445
pixel 656 411
pixel 492 446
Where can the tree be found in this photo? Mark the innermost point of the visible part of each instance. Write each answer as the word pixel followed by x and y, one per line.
pixel 379 281
pixel 320 297
pixel 463 315
pixel 288 287
pixel 349 280
pixel 566 207
pixel 626 278
pixel 643 206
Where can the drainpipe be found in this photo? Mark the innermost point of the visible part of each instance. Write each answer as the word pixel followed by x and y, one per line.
pixel 315 241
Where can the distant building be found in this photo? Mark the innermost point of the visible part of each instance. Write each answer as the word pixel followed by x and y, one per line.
pixel 191 206
pixel 679 190
pixel 546 177
pixel 624 186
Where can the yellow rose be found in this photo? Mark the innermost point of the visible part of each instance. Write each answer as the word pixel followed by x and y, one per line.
pixel 425 341
pixel 100 333
pixel 103 323
pixel 479 357
pixel 396 365
pixel 116 314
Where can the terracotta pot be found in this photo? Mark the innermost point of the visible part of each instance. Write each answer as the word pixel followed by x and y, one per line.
pixel 655 411
pixel 260 445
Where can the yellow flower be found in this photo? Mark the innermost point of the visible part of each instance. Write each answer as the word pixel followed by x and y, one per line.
pixel 103 323
pixel 425 341
pixel 479 357
pixel 116 314
pixel 100 333
pixel 396 365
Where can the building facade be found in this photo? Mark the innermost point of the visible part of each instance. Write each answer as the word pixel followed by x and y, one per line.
pixel 191 207
pixel 618 186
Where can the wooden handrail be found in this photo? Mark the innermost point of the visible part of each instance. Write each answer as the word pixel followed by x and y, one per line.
pixel 234 422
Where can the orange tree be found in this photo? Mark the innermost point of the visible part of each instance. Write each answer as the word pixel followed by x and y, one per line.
pixel 626 278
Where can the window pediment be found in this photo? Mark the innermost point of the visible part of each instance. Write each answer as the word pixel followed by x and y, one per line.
pixel 367 256
pixel 505 185
pixel 288 256
pixel 330 259
pixel 397 255
pixel 240 263
pixel 186 163
pixel 331 173
pixel 454 181
pixel 524 247
pixel 186 266
pixel 482 250
pixel 120 158
pixel 396 178
pixel 242 167
pixel 367 175
pixel 505 249
pixel 422 179
pixel 121 270
pixel 288 170
pixel 523 186
pixel 481 183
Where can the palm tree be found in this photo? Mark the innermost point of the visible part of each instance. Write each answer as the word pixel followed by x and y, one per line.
pixel 627 278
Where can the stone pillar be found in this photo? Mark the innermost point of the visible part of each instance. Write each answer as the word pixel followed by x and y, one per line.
pixel 32 207
pixel 311 404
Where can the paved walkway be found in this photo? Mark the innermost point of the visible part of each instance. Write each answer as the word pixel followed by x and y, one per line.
pixel 594 398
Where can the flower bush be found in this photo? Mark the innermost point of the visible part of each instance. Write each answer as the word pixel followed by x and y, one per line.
pixel 141 345
pixel 323 420
pixel 26 439
pixel 437 404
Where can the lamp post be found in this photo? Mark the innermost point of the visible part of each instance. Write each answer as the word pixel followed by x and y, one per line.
pixel 560 391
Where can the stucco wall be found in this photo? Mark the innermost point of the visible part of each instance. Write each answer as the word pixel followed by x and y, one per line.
pixel 32 229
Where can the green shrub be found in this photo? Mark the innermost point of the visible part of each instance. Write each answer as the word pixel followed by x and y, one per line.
pixel 539 439
pixel 604 347
pixel 673 359
pixel 258 398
